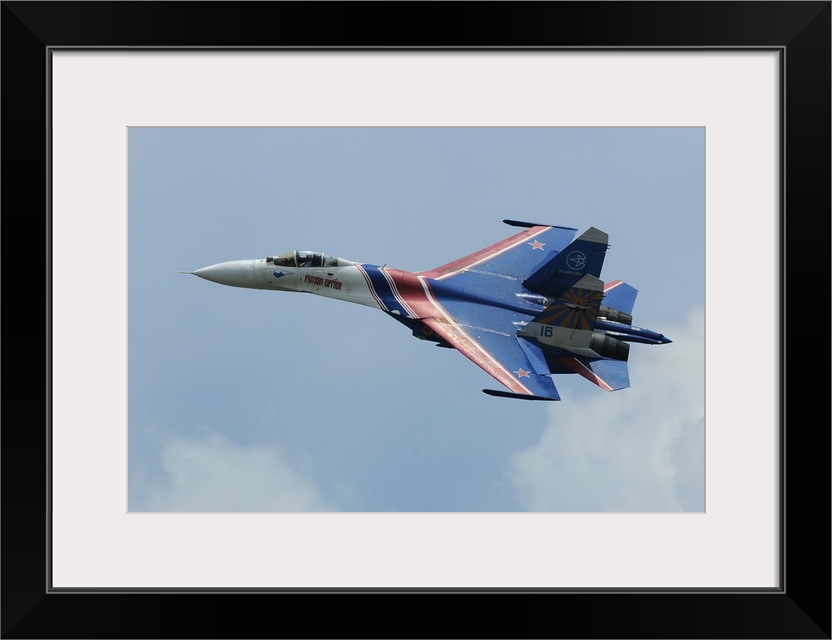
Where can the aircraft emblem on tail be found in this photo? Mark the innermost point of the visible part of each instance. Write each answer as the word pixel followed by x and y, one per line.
pixel 576 260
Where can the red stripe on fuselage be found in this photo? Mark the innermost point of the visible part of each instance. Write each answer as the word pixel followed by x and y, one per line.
pixel 390 276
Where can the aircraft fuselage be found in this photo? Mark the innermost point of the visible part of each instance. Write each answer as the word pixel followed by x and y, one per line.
pixel 395 291
pixel 403 294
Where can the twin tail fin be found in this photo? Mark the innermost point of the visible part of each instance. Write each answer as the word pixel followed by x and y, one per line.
pixel 584 256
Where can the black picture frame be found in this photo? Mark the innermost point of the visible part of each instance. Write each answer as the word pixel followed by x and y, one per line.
pixel 800 608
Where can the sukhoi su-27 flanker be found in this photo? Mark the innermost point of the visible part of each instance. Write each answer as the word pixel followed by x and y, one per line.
pixel 523 309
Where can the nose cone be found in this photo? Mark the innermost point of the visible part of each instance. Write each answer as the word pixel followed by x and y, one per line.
pixel 237 273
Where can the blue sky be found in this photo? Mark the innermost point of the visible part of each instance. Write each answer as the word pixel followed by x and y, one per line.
pixel 242 400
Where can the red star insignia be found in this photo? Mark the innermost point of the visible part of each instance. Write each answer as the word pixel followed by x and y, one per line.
pixel 521 373
pixel 536 245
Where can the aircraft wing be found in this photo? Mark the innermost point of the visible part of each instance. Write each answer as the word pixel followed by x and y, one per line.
pixel 539 261
pixel 514 257
pixel 513 361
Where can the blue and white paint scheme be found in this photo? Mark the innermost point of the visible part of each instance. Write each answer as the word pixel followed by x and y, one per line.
pixel 523 309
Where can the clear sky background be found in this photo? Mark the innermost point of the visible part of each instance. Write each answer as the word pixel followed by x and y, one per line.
pixel 248 400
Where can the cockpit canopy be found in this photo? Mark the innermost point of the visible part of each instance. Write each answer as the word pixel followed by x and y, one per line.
pixel 306 259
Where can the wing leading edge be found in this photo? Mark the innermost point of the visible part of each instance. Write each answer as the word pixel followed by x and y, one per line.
pixel 514 257
pixel 541 260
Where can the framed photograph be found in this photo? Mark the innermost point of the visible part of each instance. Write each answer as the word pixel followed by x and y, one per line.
pixel 218 446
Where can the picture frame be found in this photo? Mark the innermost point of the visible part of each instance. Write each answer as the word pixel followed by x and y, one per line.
pixel 799 31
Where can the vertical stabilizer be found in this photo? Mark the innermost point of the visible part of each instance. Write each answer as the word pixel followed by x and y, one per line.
pixel 577 307
pixel 584 256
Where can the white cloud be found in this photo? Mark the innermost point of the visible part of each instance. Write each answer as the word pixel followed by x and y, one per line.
pixel 638 449
pixel 210 473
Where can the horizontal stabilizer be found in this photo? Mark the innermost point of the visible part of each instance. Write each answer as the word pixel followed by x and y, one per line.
pixel 519 396
pixel 610 375
pixel 584 256
pixel 619 295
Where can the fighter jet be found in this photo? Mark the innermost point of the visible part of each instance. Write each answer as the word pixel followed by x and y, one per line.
pixel 523 309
